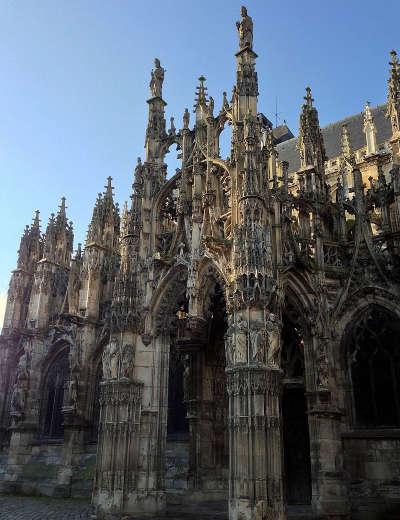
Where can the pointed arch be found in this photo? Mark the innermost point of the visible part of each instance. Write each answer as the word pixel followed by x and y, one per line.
pixel 54 382
pixel 371 357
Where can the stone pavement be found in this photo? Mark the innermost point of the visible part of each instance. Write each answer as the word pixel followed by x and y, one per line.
pixel 43 508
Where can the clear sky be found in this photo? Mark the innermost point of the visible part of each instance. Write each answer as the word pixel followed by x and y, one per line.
pixel 75 76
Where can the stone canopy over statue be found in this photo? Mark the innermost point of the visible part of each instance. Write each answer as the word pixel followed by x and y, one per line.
pixel 245 30
pixel 157 79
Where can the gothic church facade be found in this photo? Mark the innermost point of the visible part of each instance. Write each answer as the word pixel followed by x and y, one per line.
pixel 232 334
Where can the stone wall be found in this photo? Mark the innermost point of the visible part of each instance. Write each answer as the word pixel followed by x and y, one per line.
pixel 40 474
pixel 372 464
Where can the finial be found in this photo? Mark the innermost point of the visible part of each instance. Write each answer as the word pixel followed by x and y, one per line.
pixel 345 141
pixel 201 94
pixel 36 220
pixel 394 58
pixel 109 188
pixel 78 253
pixel 225 104
pixel 172 129
pixel 61 209
pixel 368 113
pixel 308 97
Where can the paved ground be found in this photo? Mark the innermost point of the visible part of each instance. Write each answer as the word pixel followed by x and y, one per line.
pixel 41 508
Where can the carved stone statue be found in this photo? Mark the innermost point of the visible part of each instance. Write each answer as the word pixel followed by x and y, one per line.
pixel 110 360
pixel 114 358
pixel 22 367
pixel 186 377
pixel 73 392
pixel 245 29
pixel 274 341
pixel 186 118
pixel 157 79
pixel 230 341
pixel 241 332
pixel 106 363
pixel 257 341
pixel 18 398
pixel 127 361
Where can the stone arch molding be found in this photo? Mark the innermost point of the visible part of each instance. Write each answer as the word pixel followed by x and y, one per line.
pixel 358 301
pixel 203 285
pixel 165 302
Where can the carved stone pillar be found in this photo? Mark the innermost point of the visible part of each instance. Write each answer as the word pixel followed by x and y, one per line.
pixel 115 489
pixel 329 494
pixel 255 481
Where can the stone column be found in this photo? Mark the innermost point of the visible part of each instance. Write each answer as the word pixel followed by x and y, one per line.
pixel 115 488
pixel 255 451
pixel 329 493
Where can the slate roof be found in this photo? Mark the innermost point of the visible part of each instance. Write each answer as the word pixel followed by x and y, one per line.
pixel 282 133
pixel 332 137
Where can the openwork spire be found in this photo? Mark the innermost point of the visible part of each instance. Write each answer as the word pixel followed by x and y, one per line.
pixel 393 103
pixel 59 237
pixel 31 245
pixel 310 143
pixel 104 226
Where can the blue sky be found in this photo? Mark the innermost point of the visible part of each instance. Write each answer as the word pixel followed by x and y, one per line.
pixel 75 75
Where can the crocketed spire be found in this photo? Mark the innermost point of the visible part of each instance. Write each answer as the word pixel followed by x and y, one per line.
pixel 310 143
pixel 31 245
pixel 59 237
pixel 104 226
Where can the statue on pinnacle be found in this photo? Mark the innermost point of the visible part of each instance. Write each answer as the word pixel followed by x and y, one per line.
pixel 245 30
pixel 157 79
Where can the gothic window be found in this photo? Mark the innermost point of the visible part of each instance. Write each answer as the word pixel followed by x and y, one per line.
pixel 53 396
pixel 374 368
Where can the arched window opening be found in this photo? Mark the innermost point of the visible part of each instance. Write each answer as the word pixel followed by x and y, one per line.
pixel 296 440
pixel 172 160
pixel 225 141
pixel 373 357
pixel 293 350
pixel 53 396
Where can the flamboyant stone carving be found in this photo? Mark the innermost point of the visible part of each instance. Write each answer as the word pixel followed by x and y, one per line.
pixel 224 330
